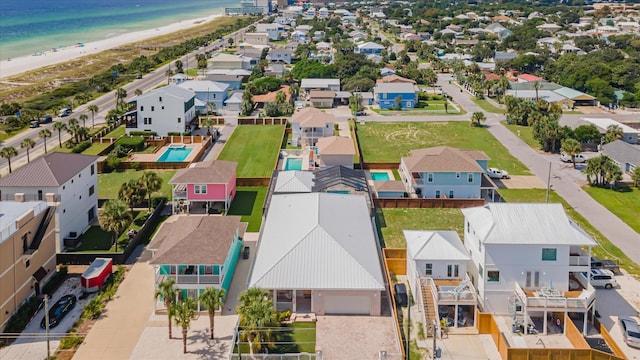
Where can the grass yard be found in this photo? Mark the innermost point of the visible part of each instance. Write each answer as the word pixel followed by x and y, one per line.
pixel 116 133
pixel 248 203
pixel 606 249
pixel 392 222
pixel 288 339
pixel 487 106
pixel 96 239
pixel 526 134
pixel 388 142
pixel 623 202
pixel 255 148
pixel 109 183
pixel 96 148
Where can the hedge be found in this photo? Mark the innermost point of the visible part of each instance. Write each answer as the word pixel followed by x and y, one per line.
pixel 81 147
pixel 176 133
pixel 135 143
pixel 143 133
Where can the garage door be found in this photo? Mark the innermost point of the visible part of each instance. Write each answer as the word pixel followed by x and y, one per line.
pixel 356 305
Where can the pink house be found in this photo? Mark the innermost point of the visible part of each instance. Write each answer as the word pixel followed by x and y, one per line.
pixel 209 187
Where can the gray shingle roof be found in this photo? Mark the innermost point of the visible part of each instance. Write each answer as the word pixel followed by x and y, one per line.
pixel 623 152
pixel 51 170
pixel 207 172
pixel 444 159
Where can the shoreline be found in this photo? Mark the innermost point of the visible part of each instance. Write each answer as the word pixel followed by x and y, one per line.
pixel 16 66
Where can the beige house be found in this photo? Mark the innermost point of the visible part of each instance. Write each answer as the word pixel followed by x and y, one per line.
pixel 335 150
pixel 228 62
pixel 27 252
pixel 322 98
pixel 310 124
pixel 257 38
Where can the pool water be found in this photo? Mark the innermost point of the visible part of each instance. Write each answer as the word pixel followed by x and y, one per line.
pixel 293 164
pixel 175 154
pixel 380 176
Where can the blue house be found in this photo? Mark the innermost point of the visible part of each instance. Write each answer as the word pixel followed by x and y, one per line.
pixel 234 81
pixel 385 95
pixel 207 92
pixel 444 172
pixel 197 252
pixel 369 48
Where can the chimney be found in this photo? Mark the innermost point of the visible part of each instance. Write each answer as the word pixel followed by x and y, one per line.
pixel 50 197
pixel 18 197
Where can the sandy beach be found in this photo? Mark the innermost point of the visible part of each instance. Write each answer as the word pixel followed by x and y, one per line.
pixel 26 63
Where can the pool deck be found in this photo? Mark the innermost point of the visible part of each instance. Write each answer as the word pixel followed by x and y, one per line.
pixel 156 155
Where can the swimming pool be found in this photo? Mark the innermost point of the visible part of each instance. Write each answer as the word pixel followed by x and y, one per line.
pixel 175 154
pixel 380 175
pixel 293 164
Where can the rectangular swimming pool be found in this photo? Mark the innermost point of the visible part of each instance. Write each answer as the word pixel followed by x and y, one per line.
pixel 380 176
pixel 293 164
pixel 175 154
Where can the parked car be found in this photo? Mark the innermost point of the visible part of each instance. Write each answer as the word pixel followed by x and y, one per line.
pixel 59 310
pixel 497 173
pixel 630 331
pixel 34 124
pixel 579 158
pixel 65 112
pixel 600 278
pixel 47 119
pixel 400 291
pixel 245 252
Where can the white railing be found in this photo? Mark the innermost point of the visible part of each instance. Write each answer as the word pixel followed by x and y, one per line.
pixel 586 297
pixel 191 278
pixel 577 260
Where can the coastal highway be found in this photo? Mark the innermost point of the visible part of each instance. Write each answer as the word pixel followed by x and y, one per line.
pixel 105 103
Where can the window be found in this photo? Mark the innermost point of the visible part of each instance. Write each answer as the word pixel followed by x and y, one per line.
pixel 493 276
pixel 162 107
pixel 200 189
pixel 152 108
pixel 91 190
pixel 141 108
pixel 149 121
pixel 452 270
pixel 430 177
pixel 179 119
pixel 549 254
pixel 25 243
pixel 40 195
pixel 470 177
pixel 457 175
pixel 172 269
pixel 93 170
pixel 160 98
pixel 208 269
pixel 480 245
pixel 27 263
pixel 428 269
pixel 437 194
pixel 532 279
pixel 144 120
pixel 450 194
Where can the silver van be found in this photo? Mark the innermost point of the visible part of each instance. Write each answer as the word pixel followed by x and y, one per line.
pixel 65 112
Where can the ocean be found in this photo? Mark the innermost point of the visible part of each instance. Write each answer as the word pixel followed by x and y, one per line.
pixel 28 26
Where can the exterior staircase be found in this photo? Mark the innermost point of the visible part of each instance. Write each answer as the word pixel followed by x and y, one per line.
pixel 429 303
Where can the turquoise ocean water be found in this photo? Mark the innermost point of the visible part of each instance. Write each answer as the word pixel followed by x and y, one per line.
pixel 27 26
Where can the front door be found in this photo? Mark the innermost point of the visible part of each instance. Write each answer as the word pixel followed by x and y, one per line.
pixel 37 287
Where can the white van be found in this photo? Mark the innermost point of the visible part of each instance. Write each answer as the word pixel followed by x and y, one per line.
pixel 65 112
pixel 600 278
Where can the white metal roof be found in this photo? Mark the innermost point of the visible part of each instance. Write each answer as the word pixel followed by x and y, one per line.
pixel 169 90
pixel 294 181
pixel 317 241
pixel 435 245
pixel 204 86
pixel 319 83
pixel 530 224
pixel 604 123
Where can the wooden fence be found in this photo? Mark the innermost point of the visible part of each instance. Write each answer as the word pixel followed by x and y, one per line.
pixel 263 121
pixel 487 325
pixel 426 203
pixel 607 337
pixel 396 260
pixel 381 166
pixel 394 308
pixel 252 181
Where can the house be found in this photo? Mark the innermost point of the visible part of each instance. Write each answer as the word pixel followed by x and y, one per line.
pixel 366 97
pixel 369 48
pixel 387 95
pixel 307 85
pixel 279 56
pixel 523 78
pixel 629 134
pixel 270 97
pixel 275 70
pixel 389 189
pixel 234 81
pixel 274 31
pixel 177 78
pixel 498 30
pixel 209 94
pixel 444 172
pixel 163 110
pixel 552 28
pixel 233 102
pixel 357 35
pixel 335 150
pixel 65 180
pixel 294 182
pixel 501 56
pixel 323 46
pixel 197 252
pixel 525 259
pixel 310 124
pixel 627 156
pixel 385 71
pixel 396 79
pixel 322 98
pixel 257 38
pixel 318 35
pixel 209 185
pixel 299 36
pixel 224 61
pixel 437 274
pixel 28 248
pixel 323 13
pixel 318 253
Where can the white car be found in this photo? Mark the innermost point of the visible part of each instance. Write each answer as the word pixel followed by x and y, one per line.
pixel 567 158
pixel 497 173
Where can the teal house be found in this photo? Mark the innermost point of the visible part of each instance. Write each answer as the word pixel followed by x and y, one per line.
pixel 385 95
pixel 197 252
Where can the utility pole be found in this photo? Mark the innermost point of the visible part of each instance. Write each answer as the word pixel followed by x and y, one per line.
pixel 435 333
pixel 548 183
pixel 46 324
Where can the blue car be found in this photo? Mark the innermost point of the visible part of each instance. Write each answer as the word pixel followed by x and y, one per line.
pixel 59 310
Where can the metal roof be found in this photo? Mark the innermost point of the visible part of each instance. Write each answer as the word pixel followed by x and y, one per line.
pixel 525 224
pixel 623 152
pixel 339 175
pixel 318 83
pixel 317 241
pixel 396 88
pixel 294 181
pixel 51 170
pixel 435 245
pixel 169 90
pixel 604 123
pixel 571 93
pixel 204 86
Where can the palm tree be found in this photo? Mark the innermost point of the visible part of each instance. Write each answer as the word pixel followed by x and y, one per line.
pixel 571 147
pixel 8 152
pixel 60 127
pixel 257 317
pixel 94 109
pixel 28 143
pixel 503 85
pixel 167 293
pixel 168 73
pixel 536 86
pixel 207 123
pixel 614 132
pixel 635 175
pixel 73 129
pixel 83 118
pixel 138 92
pixel 121 94
pixel 212 299
pixel 131 193
pixel 281 97
pixel 151 182
pixel 478 118
pixel 179 66
pixel 83 133
pixel 45 133
pixel 184 312
pixel 115 218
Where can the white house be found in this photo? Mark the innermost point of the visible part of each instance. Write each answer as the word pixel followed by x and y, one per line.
pixel 67 181
pixel 310 124
pixel 525 258
pixel 369 48
pixel 279 56
pixel 257 38
pixel 307 85
pixel 318 253
pixel 629 134
pixel 224 61
pixel 164 110
pixel 207 92
pixel 275 31
pixel 335 150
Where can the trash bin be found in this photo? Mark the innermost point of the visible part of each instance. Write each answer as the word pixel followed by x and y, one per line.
pixel 438 353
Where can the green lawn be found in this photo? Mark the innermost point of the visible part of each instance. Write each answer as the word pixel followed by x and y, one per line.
pixel 289 338
pixel 255 148
pixel 116 133
pixel 393 221
pixel 526 134
pixel 109 183
pixel 623 202
pixel 605 250
pixel 248 203
pixel 6 133
pixel 96 239
pixel 96 148
pixel 487 106
pixel 388 142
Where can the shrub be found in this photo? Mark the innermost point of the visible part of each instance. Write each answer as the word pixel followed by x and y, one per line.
pixel 135 166
pixel 21 318
pixel 70 341
pixel 284 315
pixel 81 147
pixel 135 143
pixel 113 162
pixel 177 133
pixel 143 133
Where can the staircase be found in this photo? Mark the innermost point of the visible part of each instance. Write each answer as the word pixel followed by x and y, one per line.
pixel 430 306
pixel 39 235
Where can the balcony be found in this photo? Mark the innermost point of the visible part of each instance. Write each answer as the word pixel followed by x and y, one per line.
pixel 195 279
pixel 416 179
pixel 455 291
pixel 579 260
pixel 548 298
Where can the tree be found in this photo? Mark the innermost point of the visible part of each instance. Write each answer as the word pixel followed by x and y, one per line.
pixel 121 95
pixel 184 312
pixel 179 67
pixel 281 97
pixel 572 148
pixel 168 74
pixel 27 143
pixel 602 170
pixel 230 41
pixel 151 182
pixel 477 118
pixel 138 92
pixel 587 133
pixel 93 109
pixel 212 299
pixel 614 132
pixel 115 218
pixel 207 123
pixel 60 127
pixel 635 175
pixel 8 152
pixel 167 293
pixel 271 109
pixel 537 85
pixel 398 102
pixel 257 317
pixel 83 118
pixel 131 192
pixel 45 133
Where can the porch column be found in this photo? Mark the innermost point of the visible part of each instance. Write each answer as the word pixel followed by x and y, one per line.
pixel 294 302
pixel 584 325
pixel 544 323
pixel 525 320
pixel 455 316
pixel 275 298
pixel 564 328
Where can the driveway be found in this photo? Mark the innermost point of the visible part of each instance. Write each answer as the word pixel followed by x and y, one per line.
pixel 355 337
